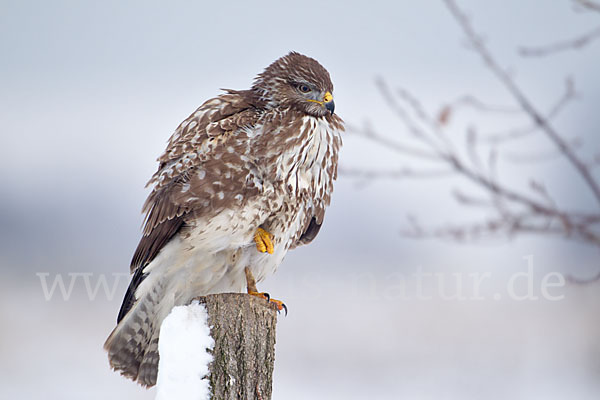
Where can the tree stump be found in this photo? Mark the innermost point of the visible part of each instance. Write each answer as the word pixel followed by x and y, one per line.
pixel 243 328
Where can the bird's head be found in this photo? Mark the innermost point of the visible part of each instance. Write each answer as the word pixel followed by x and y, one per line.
pixel 296 81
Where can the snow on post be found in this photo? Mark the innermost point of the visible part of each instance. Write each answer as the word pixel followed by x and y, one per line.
pixel 220 347
pixel 184 359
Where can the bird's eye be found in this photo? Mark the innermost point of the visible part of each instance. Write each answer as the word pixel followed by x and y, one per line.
pixel 304 88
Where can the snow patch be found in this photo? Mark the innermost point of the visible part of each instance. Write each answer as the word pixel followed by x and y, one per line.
pixel 183 344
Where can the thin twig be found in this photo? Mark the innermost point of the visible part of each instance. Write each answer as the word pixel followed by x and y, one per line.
pixel 470 100
pixel 568 95
pixel 566 45
pixel 413 128
pixel 390 144
pixel 589 5
pixel 579 281
pixel 530 158
pixel 393 174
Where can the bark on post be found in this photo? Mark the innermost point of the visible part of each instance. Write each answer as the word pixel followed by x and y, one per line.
pixel 243 328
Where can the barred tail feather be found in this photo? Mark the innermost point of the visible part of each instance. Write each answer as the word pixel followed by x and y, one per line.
pixel 148 371
pixel 133 345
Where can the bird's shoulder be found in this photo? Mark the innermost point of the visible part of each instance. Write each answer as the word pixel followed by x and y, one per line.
pixel 210 123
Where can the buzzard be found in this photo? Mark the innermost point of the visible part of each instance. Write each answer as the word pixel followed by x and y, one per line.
pixel 244 179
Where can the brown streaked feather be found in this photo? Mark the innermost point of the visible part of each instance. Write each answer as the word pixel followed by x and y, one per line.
pixel 198 143
pixel 213 118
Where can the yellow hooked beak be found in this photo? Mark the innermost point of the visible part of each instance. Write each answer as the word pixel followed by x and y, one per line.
pixel 327 102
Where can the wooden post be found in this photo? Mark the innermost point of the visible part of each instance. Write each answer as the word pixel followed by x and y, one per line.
pixel 243 328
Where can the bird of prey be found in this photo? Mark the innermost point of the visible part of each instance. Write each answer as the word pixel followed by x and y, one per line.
pixel 244 179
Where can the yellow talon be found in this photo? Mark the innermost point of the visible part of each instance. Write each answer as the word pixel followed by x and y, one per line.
pixel 262 295
pixel 252 291
pixel 279 305
pixel 264 241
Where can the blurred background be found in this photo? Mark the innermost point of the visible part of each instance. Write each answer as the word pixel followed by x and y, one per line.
pixel 91 91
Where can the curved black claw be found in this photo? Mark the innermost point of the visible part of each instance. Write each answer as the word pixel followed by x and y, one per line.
pixel 279 305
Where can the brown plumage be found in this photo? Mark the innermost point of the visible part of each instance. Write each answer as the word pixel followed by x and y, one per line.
pixel 264 157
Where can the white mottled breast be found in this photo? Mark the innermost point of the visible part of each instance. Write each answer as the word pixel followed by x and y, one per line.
pixel 301 167
pixel 302 180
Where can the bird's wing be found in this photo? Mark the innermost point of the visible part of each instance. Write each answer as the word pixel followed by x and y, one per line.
pixel 310 232
pixel 192 174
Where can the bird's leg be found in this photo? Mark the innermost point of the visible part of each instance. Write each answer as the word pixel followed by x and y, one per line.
pixel 253 291
pixel 251 284
pixel 264 241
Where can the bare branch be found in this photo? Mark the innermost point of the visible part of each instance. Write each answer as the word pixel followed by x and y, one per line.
pixel 566 45
pixel 541 190
pixel 470 101
pixel 469 200
pixel 474 102
pixel 450 157
pixel 568 95
pixel 577 281
pixel 524 158
pixel 589 5
pixel 513 210
pixel 520 97
pixel 489 183
pixel 502 225
pixel 389 144
pixel 412 127
pixel 372 175
pixel 472 141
